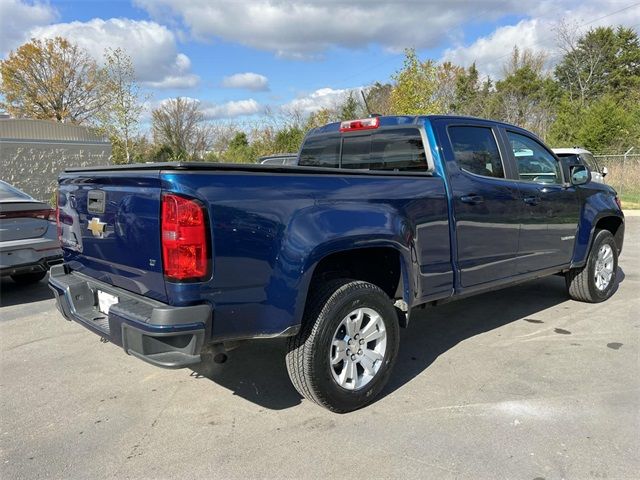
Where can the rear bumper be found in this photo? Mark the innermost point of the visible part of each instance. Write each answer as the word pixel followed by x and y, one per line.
pixel 41 265
pixel 160 334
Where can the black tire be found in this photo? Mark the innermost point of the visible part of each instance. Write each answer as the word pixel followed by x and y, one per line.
pixel 581 282
pixel 308 361
pixel 28 278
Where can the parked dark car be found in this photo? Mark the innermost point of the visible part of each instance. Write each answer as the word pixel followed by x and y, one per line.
pixel 29 243
pixel 381 217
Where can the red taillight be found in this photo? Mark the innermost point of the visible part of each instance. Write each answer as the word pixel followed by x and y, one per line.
pixel 185 250
pixel 361 124
pixel 618 203
pixel 43 214
pixel 58 224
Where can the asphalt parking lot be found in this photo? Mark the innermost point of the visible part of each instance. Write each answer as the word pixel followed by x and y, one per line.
pixel 520 383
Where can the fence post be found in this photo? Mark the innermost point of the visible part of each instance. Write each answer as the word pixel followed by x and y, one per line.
pixel 624 167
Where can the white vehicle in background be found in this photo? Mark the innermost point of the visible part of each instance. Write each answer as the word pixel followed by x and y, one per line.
pixel 29 243
pixel 585 157
pixel 279 159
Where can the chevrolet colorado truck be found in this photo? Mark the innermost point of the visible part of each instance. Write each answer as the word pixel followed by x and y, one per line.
pixel 382 216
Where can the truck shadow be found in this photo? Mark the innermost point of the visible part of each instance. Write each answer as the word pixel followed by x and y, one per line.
pixel 13 294
pixel 256 371
pixel 435 330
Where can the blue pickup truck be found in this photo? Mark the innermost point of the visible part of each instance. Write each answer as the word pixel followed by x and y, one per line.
pixel 176 262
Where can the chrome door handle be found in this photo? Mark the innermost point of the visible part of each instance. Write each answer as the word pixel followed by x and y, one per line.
pixel 472 199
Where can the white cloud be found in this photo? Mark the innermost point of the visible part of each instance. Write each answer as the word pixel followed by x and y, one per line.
pixel 17 17
pixel 248 80
pixel 307 28
pixel 321 98
pixel 152 47
pixel 540 33
pixel 491 52
pixel 237 108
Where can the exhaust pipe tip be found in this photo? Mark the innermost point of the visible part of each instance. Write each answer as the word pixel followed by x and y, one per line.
pixel 220 358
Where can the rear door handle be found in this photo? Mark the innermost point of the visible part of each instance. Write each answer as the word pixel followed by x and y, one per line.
pixel 531 200
pixel 472 199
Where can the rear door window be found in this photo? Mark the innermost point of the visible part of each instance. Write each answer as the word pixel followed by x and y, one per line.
pixel 476 151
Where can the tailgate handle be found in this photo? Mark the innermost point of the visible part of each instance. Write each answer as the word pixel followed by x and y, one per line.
pixel 95 201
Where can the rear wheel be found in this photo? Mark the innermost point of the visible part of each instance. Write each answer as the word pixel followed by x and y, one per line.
pixel 28 278
pixel 595 281
pixel 343 356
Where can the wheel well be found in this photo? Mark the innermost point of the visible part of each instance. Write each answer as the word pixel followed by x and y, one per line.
pixel 379 266
pixel 613 225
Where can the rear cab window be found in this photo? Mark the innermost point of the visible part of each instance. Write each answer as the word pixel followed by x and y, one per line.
pixel 321 151
pixel 395 149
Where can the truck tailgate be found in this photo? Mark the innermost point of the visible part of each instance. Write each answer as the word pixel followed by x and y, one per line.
pixel 110 224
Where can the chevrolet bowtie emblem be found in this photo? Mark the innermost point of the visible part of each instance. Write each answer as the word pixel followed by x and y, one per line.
pixel 97 227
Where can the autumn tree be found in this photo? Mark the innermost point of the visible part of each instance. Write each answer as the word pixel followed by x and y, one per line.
pixel 415 86
pixel 178 124
pixel 379 98
pixel 120 117
pixel 445 92
pixel 52 79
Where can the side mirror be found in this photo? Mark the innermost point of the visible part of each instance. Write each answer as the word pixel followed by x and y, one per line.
pixel 580 175
pixel 605 171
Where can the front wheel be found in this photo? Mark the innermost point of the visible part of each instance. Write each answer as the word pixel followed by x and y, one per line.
pixel 595 282
pixel 343 356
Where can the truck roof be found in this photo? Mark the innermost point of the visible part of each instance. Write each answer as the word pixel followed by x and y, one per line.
pixel 400 120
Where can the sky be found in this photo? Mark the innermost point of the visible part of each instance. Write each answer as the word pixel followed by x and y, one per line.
pixel 240 58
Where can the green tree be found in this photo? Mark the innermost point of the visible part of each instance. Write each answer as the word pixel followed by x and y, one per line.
pixel 564 131
pixel 606 124
pixel 52 79
pixel 414 87
pixel 289 139
pixel 602 61
pixel 469 97
pixel 350 108
pixel 239 150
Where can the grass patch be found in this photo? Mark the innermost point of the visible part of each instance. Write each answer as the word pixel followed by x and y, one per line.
pixel 630 201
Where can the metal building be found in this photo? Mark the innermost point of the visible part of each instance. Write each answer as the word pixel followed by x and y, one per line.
pixel 34 152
